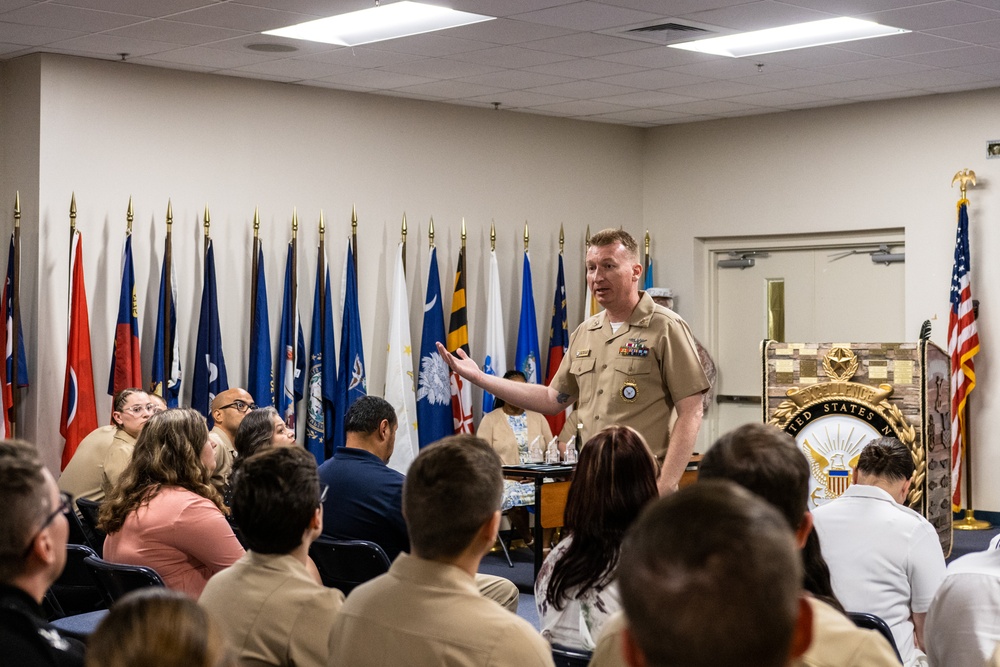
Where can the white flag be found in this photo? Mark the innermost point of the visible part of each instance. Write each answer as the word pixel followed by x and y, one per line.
pixel 399 373
pixel 495 362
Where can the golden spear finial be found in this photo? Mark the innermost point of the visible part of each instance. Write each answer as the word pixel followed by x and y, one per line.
pixel 129 216
pixel 170 215
pixel 647 241
pixel 404 227
pixel 256 222
pixel 17 208
pixel 354 220
pixel 587 239
pixel 525 236
pixel 562 238
pixel 208 221
pixel 322 225
pixel 463 232
pixel 430 232
pixel 493 236
pixel 295 223
pixel 964 177
pixel 72 214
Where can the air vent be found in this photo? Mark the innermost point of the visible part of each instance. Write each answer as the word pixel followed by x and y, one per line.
pixel 666 31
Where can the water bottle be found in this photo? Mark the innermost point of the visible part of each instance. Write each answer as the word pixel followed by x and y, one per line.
pixel 571 450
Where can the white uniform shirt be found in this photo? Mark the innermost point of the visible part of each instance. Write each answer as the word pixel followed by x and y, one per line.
pixel 884 558
pixel 963 624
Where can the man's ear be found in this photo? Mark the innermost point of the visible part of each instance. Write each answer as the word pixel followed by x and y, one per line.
pixel 805 527
pixel 634 657
pixel 803 633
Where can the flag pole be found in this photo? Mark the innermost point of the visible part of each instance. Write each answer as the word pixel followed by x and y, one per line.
pixel 320 264
pixel 295 292
pixel 969 520
pixel 72 235
pixel 645 258
pixel 404 243
pixel 254 267
pixel 354 236
pixel 493 236
pixel 168 305
pixel 16 315
pixel 430 233
pixel 208 222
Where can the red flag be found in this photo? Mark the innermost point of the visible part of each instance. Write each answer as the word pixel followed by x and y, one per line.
pixel 79 411
pixel 558 344
pixel 126 367
pixel 963 344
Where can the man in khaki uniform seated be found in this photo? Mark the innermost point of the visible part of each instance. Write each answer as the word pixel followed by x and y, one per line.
pixel 634 364
pixel 427 610
pixel 228 410
pixel 270 603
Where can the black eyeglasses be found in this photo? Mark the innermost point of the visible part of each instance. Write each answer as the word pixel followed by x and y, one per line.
pixel 65 506
pixel 240 406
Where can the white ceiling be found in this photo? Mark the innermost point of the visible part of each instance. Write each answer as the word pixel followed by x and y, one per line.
pixel 550 57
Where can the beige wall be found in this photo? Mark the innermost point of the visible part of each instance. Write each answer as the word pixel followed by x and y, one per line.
pixel 111 130
pixel 866 166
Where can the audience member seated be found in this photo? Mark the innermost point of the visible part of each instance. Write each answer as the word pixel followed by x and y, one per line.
pixel 510 429
pixel 365 497
pixel 271 606
pixel 710 576
pixel 576 590
pixel 33 536
pixel 426 609
pixel 963 623
pixel 84 475
pixel 259 429
pixel 765 461
pixel 885 559
pixel 157 627
pixel 228 410
pixel 159 404
pixel 165 513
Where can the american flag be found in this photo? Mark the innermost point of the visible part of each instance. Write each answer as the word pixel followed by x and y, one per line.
pixel 963 344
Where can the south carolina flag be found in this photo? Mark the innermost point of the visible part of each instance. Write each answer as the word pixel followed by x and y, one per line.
pixel 79 411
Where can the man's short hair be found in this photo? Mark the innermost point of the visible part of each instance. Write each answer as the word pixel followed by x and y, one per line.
pixel 25 504
pixel 366 413
pixel 887 458
pixel 452 488
pixel 764 460
pixel 612 236
pixel 275 496
pixel 710 576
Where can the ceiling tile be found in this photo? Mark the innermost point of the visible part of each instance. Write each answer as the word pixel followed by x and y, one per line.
pixel 587 16
pixel 985 32
pixel 875 67
pixel 511 99
pixel 963 86
pixel 586 68
pixel 586 45
pixel 582 108
pixel 315 8
pixel 970 55
pixel 439 68
pixel 856 7
pixel 794 78
pixel 265 76
pixel 294 69
pixel 175 32
pixel 655 116
pixel 506 31
pixel 807 58
pixel 933 15
pixel 511 57
pixel 894 46
pixel 714 67
pixel 68 18
pixel 777 98
pixel 579 90
pixel 656 56
pixel 149 8
pixel 112 45
pixel 654 79
pixel 991 70
pixel 434 45
pixel 30 35
pixel 376 78
pixel 505 8
pixel 361 57
pixel 300 49
pixel 205 57
pixel 449 89
pixel 758 15
pixel 852 89
pixel 166 64
pixel 716 89
pixel 677 8
pixel 933 78
pixel 237 16
pixel 648 99
pixel 515 79
pixel 710 107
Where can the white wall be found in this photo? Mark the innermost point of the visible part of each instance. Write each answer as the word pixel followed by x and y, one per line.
pixel 110 130
pixel 865 166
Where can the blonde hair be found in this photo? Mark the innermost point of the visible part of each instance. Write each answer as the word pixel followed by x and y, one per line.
pixel 612 236
pixel 158 627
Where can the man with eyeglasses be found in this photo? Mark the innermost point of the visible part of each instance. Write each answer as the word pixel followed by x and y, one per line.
pixel 228 410
pixel 33 536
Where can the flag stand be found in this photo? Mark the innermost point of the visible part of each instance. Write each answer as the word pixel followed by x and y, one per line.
pixel 969 521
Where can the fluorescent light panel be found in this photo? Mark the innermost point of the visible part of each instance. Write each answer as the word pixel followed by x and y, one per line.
pixel 379 23
pixel 786 38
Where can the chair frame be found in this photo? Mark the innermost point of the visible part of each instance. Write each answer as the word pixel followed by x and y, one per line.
pixel 111 575
pixel 365 560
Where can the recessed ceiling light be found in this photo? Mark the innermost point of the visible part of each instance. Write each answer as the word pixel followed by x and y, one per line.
pixel 379 23
pixel 786 38
pixel 271 47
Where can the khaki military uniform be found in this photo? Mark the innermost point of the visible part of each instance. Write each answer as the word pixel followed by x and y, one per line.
pixel 225 454
pixel 117 459
pixel 84 474
pixel 634 376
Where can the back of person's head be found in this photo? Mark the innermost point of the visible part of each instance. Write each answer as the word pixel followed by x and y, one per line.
pixel 452 488
pixel 167 453
pixel 254 432
pixel 25 504
pixel 366 413
pixel 275 496
pixel 765 460
pixel 615 478
pixel 158 627
pixel 613 236
pixel 710 576
pixel 886 458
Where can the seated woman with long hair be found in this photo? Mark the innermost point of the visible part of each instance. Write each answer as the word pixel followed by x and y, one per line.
pixel 165 513
pixel 260 429
pixel 576 590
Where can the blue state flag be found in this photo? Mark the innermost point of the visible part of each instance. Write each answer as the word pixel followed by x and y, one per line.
pixel 434 419
pixel 322 370
pixel 260 374
pixel 291 349
pixel 528 354
pixel 210 364
pixel 166 361
pixel 648 273
pixel 351 381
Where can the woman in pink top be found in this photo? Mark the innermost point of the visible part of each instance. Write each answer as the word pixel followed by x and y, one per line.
pixel 165 513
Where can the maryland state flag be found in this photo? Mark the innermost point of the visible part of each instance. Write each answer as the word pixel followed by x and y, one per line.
pixel 126 364
pixel 558 342
pixel 7 345
pixel 458 338
pixel 79 411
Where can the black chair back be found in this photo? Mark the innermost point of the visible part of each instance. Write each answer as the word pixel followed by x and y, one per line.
pixel 77 532
pixel 77 590
pixel 569 657
pixel 89 510
pixel 873 622
pixel 118 579
pixel 346 564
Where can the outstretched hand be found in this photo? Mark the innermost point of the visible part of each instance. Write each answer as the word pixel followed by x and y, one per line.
pixel 462 364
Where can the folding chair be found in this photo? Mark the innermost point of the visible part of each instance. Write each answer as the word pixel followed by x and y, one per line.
pixel 117 579
pixel 873 622
pixel 346 564
pixel 77 590
pixel 563 656
pixel 89 510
